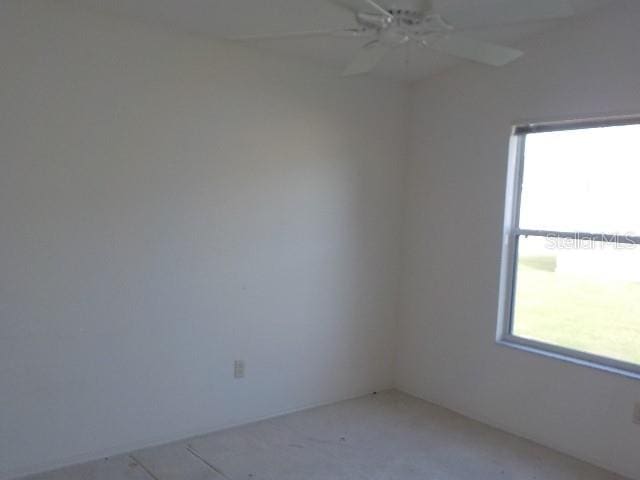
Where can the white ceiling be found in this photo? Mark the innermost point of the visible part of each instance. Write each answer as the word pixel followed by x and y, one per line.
pixel 234 18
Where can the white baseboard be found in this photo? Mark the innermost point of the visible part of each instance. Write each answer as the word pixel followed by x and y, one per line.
pixel 508 429
pixel 157 441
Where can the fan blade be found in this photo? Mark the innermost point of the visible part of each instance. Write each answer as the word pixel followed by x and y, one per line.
pixel 359 6
pixel 496 13
pixel 347 32
pixel 475 50
pixel 367 58
pixel 381 10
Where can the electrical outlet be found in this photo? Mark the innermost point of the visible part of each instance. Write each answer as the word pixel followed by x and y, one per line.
pixel 636 414
pixel 238 369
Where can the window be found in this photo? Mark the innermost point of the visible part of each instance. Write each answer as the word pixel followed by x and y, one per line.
pixel 570 283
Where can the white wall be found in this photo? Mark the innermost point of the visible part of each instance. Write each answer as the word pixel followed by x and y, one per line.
pixel 167 205
pixel 456 186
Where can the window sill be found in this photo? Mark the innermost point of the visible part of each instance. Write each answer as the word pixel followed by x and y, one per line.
pixel 571 356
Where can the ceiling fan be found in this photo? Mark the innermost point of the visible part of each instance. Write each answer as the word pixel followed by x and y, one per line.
pixel 415 21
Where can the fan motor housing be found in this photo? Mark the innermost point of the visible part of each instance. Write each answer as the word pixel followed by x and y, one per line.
pixel 403 24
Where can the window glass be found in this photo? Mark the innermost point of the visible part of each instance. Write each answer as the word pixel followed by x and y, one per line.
pixel 573 278
pixel 582 295
pixel 582 181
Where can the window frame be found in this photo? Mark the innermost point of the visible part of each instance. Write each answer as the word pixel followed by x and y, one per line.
pixel 512 233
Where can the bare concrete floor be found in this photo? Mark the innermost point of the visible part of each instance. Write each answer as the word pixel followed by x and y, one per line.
pixel 388 436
